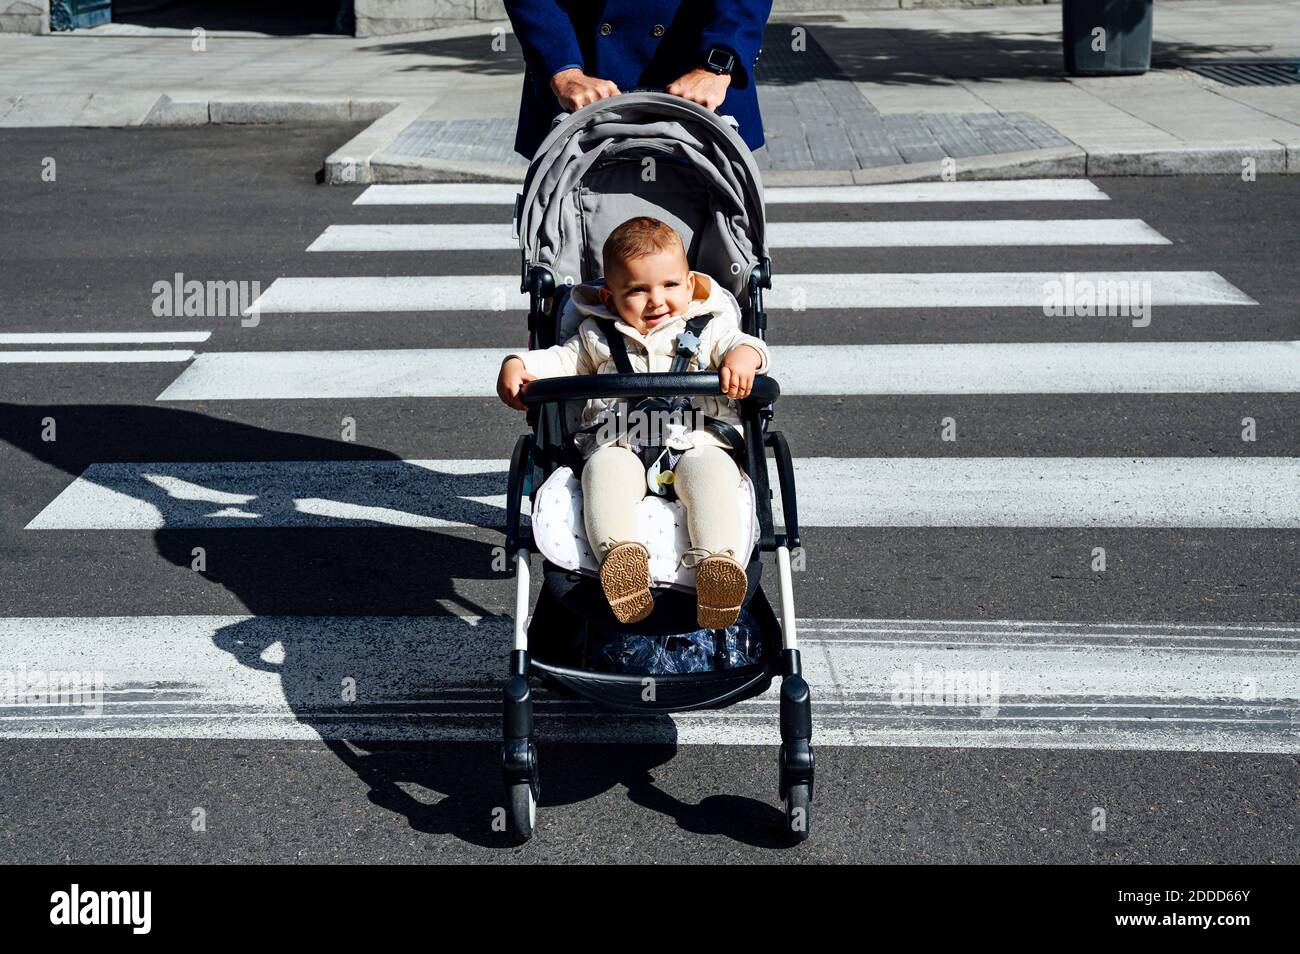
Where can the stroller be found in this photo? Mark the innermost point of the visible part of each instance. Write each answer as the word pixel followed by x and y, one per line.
pixel 589 176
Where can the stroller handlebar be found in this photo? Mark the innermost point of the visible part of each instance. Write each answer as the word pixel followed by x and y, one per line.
pixel 653 384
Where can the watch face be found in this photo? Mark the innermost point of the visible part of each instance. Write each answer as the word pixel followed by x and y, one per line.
pixel 720 61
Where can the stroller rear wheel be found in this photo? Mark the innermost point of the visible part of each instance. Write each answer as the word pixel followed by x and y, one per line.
pixel 521 808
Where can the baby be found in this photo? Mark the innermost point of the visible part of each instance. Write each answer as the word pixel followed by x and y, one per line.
pixel 648 294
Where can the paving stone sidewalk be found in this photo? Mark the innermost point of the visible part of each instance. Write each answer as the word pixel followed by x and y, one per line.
pixel 813 117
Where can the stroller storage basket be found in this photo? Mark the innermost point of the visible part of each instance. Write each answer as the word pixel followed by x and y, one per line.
pixel 672 692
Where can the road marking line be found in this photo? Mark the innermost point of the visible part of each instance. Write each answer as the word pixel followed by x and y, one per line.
pixel 103 337
pixel 1042 492
pixel 92 357
pixel 461 293
pixel 438 678
pixel 1021 190
pixel 957 233
pixel 1212 367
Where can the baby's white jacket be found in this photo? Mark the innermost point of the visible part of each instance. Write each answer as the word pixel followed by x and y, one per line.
pixel 587 352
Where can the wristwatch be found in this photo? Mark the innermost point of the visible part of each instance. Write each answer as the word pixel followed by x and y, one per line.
pixel 719 60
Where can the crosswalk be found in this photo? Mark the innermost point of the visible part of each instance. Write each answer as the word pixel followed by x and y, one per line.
pixel 1231 686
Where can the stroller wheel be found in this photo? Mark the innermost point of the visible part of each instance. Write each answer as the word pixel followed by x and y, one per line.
pixel 522 808
pixel 798 809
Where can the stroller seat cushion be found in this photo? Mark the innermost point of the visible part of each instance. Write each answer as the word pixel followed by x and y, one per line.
pixel 561 536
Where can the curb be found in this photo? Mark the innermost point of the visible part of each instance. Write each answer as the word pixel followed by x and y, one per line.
pixel 1060 162
pixel 392 169
pixel 353 162
pixel 102 110
pixel 1270 157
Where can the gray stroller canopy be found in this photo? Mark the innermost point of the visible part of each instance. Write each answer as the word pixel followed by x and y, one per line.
pixel 643 154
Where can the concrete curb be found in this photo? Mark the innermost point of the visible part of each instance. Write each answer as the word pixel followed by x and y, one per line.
pixel 1059 162
pixel 1220 159
pixel 163 109
pixel 353 162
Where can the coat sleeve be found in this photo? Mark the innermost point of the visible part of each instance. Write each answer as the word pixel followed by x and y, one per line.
pixel 730 336
pixel 561 361
pixel 737 26
pixel 546 36
pixel 558 361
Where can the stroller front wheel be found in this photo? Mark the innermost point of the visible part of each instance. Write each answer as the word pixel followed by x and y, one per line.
pixel 798 809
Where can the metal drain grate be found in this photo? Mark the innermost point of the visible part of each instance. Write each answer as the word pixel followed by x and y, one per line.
pixel 1250 73
pixel 778 63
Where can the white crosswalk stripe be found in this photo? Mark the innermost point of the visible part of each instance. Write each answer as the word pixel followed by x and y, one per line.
pixel 833 492
pixel 95 357
pixel 1213 367
pixel 461 293
pixel 103 337
pixel 1021 190
pixel 780 235
pixel 876 682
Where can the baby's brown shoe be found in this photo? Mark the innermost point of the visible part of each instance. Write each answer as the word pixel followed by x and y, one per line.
pixel 720 587
pixel 625 578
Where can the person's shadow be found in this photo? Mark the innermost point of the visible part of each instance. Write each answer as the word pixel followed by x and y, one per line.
pixel 361 601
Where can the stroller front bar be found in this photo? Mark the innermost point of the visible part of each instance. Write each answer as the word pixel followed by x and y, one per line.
pixel 654 384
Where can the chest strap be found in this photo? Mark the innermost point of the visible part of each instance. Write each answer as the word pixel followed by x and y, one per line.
pixel 688 344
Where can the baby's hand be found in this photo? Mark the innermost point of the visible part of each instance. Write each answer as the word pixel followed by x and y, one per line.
pixel 737 371
pixel 511 381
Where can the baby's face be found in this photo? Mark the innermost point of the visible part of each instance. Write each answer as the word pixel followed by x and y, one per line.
pixel 646 290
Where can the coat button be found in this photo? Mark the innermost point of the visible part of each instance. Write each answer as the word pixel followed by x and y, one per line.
pixel 606 29
pixel 657 30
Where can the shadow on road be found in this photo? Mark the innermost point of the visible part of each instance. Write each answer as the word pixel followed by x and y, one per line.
pixel 352 572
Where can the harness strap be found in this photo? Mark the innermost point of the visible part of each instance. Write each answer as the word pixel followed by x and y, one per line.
pixel 617 346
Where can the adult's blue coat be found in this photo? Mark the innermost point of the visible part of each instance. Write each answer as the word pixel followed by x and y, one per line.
pixel 634 43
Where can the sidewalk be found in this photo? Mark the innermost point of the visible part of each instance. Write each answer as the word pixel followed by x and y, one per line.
pixel 877 96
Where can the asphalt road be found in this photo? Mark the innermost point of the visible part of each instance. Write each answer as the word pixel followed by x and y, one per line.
pixel 128 209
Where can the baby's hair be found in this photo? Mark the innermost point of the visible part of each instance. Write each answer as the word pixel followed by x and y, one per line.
pixel 638 237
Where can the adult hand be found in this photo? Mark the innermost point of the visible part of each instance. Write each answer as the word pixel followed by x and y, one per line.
pixel 575 89
pixel 701 86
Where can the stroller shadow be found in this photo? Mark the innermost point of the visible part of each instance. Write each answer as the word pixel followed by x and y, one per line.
pixel 745 820
pixel 330 574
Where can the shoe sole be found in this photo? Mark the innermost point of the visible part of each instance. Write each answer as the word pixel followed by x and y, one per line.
pixel 625 578
pixel 720 587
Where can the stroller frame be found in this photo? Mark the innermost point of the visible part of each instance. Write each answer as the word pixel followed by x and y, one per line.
pixel 542 642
